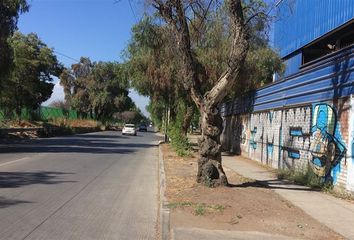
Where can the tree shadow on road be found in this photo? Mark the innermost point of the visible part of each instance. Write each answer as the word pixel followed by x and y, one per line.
pixel 99 136
pixel 96 144
pixel 5 202
pixel 19 179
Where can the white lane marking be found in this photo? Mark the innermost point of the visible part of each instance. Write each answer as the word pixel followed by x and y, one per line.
pixel 14 161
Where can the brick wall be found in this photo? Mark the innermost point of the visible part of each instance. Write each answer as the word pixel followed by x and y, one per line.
pixel 314 136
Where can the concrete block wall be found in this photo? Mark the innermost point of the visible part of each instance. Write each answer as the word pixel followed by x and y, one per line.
pixel 318 135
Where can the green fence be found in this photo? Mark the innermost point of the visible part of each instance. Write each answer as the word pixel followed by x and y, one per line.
pixel 45 113
pixel 1 115
pixel 53 113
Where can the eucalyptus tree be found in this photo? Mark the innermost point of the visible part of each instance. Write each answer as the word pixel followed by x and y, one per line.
pixel 30 81
pixel 67 82
pixel 188 20
pixel 96 89
pixel 154 71
pixel 203 50
pixel 151 64
pixel 108 90
pixel 9 13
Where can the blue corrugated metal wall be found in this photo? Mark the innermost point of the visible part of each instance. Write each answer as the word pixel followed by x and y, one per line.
pixel 293 63
pixel 302 21
pixel 330 77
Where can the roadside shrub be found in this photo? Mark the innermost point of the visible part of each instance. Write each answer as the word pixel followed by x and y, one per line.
pixel 306 178
pixel 179 141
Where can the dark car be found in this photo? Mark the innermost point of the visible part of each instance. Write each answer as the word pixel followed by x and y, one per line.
pixel 143 128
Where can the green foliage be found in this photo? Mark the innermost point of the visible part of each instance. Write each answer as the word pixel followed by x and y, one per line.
pixel 262 62
pixel 200 210
pixel 306 178
pixel 213 49
pixel 179 140
pixel 30 82
pixel 153 67
pixel 97 89
pixel 208 182
pixel 179 204
pixel 156 110
pixel 156 70
pixel 9 13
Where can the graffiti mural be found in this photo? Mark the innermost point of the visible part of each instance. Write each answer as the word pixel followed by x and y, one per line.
pixel 264 137
pixel 294 138
pixel 327 148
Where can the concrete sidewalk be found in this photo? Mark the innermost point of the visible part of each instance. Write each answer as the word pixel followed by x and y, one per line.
pixel 198 234
pixel 335 213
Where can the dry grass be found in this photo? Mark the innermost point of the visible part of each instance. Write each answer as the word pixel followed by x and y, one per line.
pixel 75 123
pixel 245 206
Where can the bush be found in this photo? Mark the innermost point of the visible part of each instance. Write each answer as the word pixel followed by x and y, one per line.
pixel 306 178
pixel 179 141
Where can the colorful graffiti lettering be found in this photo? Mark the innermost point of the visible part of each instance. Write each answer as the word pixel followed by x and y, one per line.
pixel 296 132
pixel 253 143
pixel 295 138
pixel 270 147
pixel 327 148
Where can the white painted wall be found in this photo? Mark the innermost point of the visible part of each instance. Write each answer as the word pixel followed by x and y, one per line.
pixel 350 174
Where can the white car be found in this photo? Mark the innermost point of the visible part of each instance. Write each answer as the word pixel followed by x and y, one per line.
pixel 129 129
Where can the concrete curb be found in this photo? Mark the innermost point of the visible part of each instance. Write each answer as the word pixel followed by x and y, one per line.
pixel 164 210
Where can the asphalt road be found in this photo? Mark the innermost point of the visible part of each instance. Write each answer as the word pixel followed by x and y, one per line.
pixel 91 186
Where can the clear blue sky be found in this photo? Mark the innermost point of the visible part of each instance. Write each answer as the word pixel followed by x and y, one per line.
pixel 99 29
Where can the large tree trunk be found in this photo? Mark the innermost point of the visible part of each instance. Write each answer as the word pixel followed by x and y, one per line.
pixel 210 171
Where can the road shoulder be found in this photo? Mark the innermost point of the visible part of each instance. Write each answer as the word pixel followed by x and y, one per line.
pixel 245 206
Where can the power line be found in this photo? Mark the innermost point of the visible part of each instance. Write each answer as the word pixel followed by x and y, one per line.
pixel 131 8
pixel 64 55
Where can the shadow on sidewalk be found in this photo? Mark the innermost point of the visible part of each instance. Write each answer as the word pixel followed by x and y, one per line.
pixel 274 184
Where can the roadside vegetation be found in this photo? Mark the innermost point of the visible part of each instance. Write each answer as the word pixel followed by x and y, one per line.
pixel 244 206
pixel 310 179
pixel 306 178
pixel 96 93
pixel 199 54
pixel 198 208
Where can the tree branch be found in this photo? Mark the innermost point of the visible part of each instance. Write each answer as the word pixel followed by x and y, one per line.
pixel 237 56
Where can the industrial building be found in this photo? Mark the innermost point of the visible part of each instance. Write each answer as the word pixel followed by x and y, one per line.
pixel 304 120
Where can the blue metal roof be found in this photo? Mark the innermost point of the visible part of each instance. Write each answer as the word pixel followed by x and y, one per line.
pixel 303 21
pixel 327 78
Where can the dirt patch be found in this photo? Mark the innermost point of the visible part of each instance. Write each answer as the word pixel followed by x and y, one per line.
pixel 242 207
